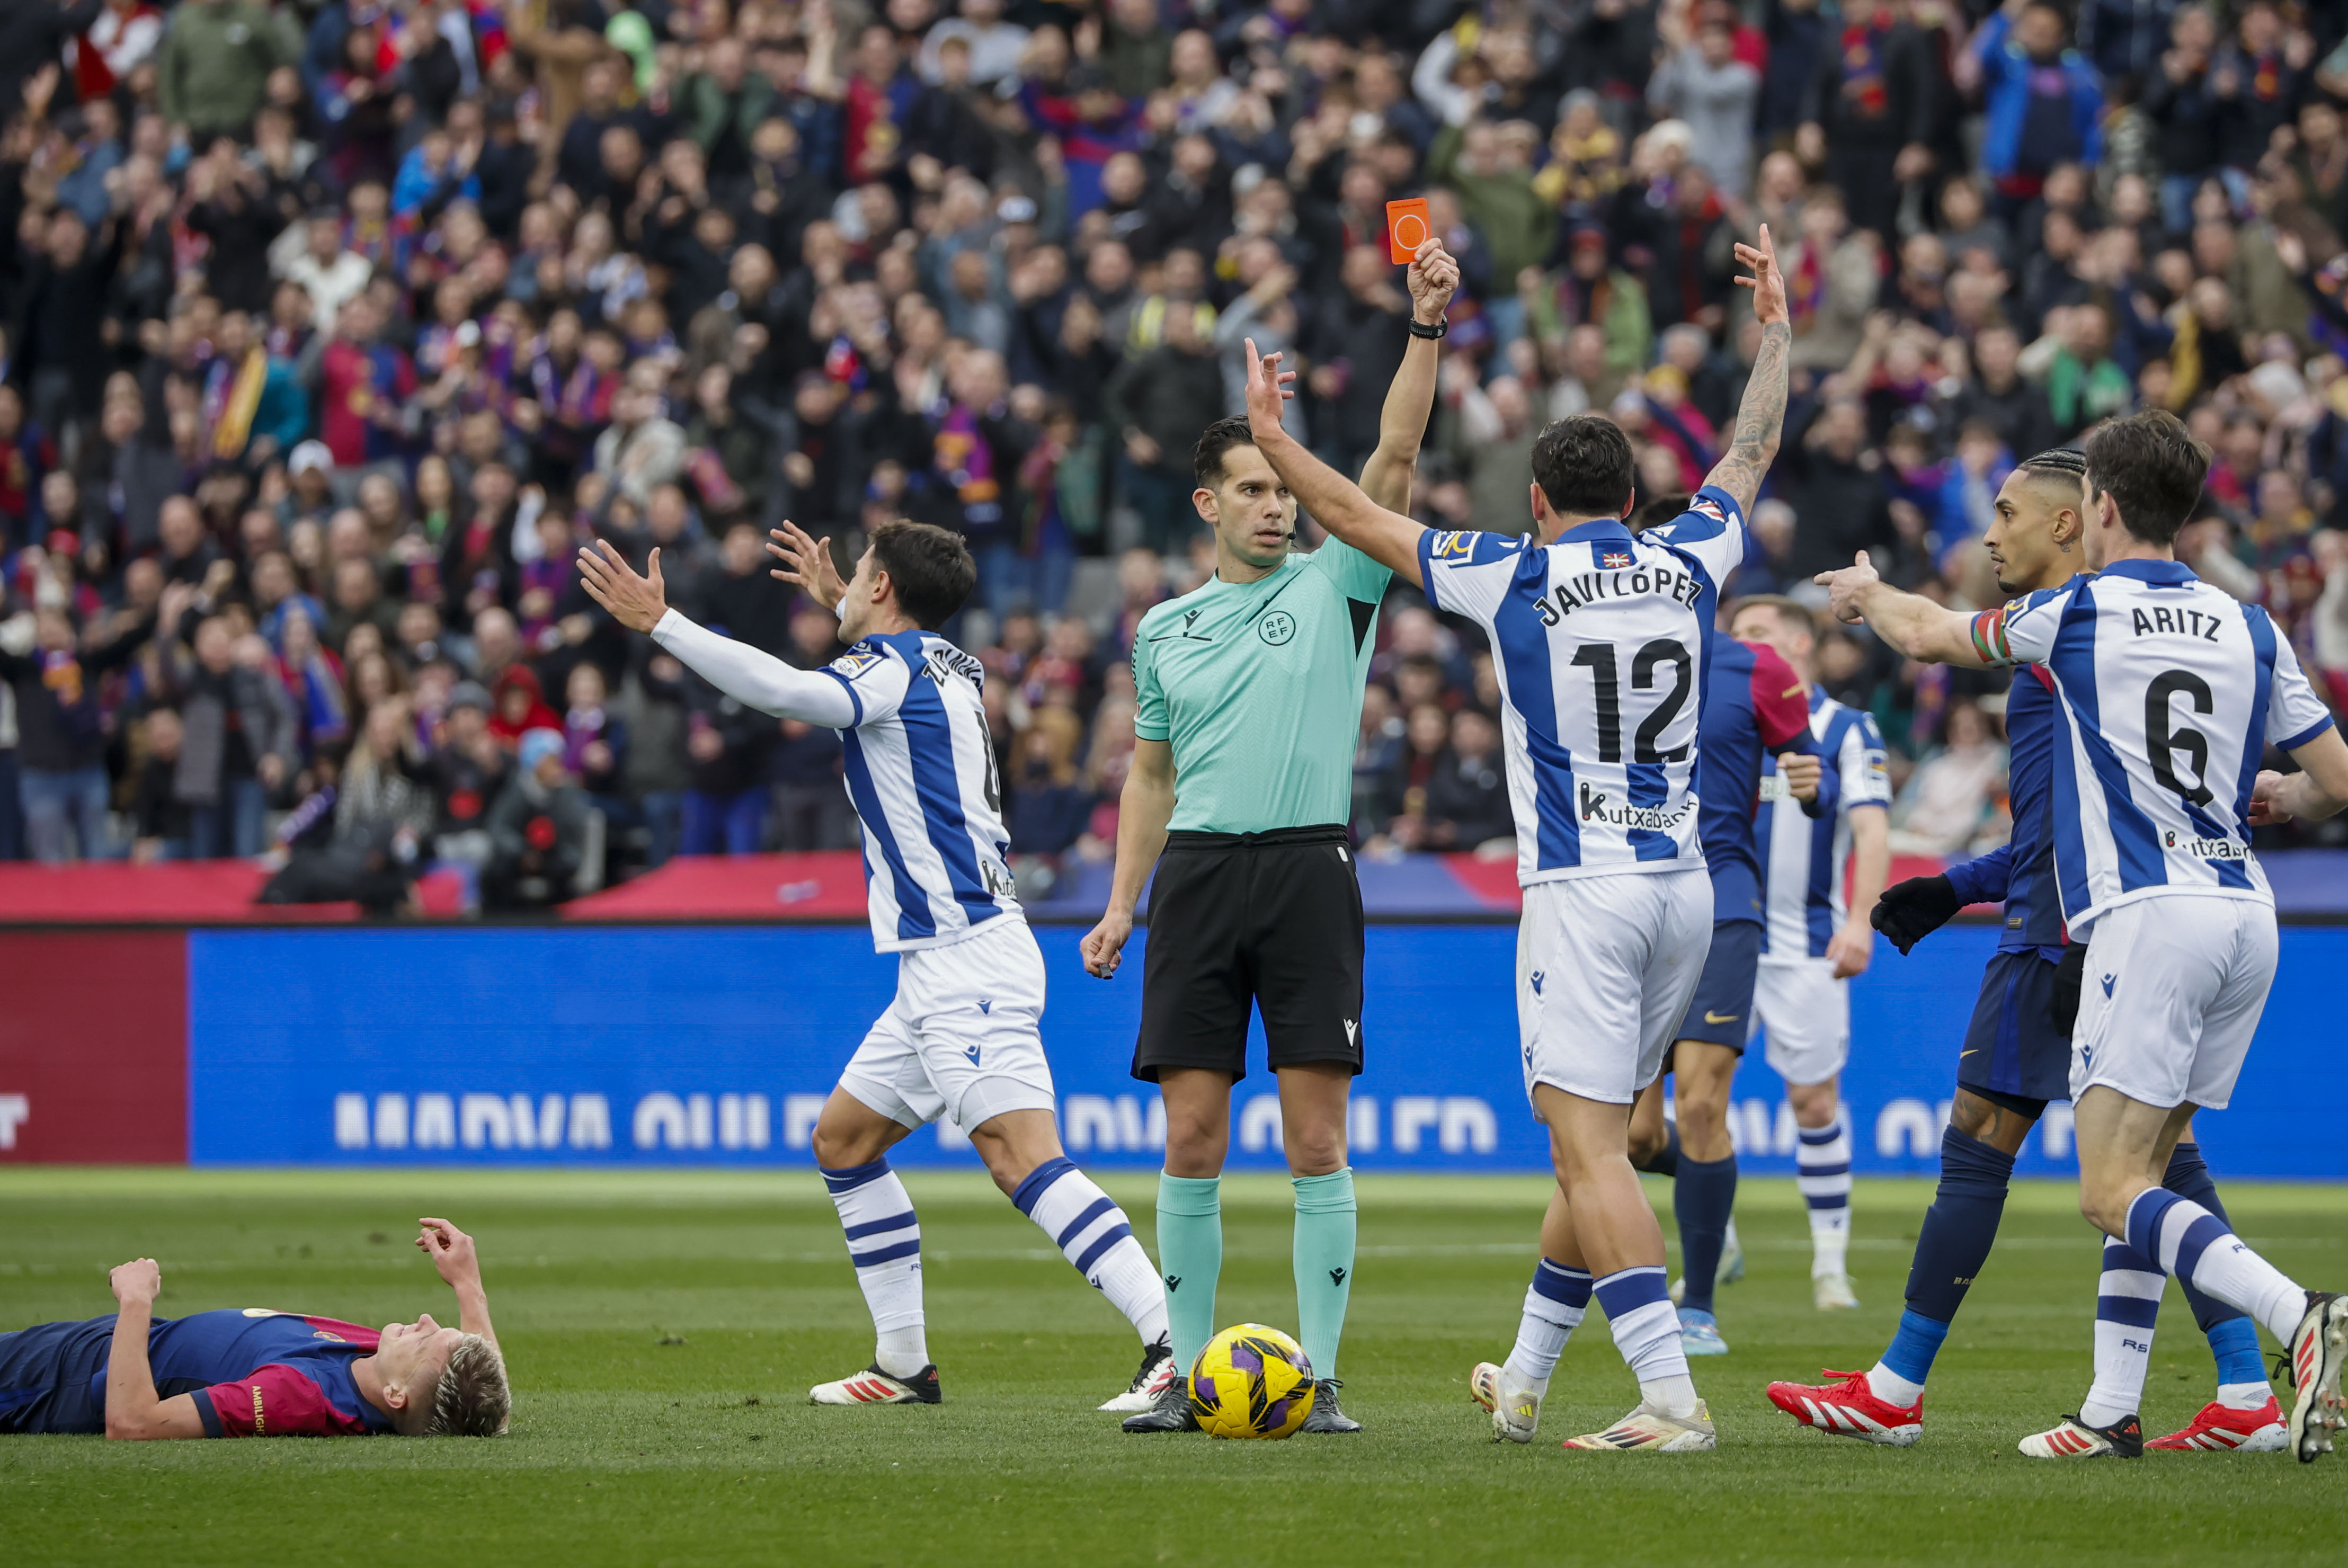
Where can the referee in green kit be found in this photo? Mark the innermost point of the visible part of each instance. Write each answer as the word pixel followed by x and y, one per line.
pixel 1250 694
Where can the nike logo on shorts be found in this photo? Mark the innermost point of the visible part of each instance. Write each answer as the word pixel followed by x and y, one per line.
pixel 1712 1017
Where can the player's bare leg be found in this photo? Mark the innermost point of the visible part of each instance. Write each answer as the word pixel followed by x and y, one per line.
pixel 1823 1173
pixel 1604 1229
pixel 1312 1102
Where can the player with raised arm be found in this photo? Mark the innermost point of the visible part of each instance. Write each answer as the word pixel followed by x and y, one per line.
pixel 257 1373
pixel 1250 699
pixel 2167 693
pixel 1600 639
pixel 2016 1059
pixel 1753 709
pixel 962 1039
pixel 1812 944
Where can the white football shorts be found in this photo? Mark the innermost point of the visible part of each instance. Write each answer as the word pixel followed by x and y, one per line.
pixel 964 1039
pixel 2172 995
pixel 1605 966
pixel 1804 1013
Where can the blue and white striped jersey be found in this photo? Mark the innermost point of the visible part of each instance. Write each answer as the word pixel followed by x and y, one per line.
pixel 1802 858
pixel 1601 644
pixel 2169 692
pixel 922 774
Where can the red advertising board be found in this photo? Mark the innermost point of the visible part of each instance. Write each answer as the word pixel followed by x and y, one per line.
pixel 93 1047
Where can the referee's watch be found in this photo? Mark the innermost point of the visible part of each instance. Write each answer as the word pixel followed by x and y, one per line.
pixel 1420 329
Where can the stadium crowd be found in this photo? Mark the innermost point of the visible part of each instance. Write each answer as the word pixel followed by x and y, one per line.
pixel 331 328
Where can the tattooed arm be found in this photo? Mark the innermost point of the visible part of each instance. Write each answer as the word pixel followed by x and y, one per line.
pixel 1761 418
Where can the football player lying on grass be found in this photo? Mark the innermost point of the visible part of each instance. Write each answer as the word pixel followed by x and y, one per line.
pixel 258 1373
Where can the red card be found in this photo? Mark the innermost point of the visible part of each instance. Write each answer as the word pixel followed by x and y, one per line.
pixel 1406 230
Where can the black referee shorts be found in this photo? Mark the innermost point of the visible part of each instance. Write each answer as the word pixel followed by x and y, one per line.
pixel 1272 920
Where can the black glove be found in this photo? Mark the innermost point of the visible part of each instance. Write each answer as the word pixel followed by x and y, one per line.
pixel 1911 911
pixel 2068 973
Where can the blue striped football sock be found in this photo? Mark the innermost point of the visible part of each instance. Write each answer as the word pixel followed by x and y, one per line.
pixel 1822 1173
pixel 884 1242
pixel 1092 1234
pixel 2127 1305
pixel 1555 1304
pixel 2233 1337
pixel 2180 1236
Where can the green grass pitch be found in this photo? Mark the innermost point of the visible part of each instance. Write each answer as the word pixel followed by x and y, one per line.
pixel 663 1329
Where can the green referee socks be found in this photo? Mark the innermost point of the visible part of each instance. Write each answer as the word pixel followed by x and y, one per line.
pixel 1191 1256
pixel 1325 1263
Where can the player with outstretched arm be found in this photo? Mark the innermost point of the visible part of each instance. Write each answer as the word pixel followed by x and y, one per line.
pixel 1250 690
pixel 2166 694
pixel 257 1373
pixel 1598 639
pixel 2015 1060
pixel 964 1039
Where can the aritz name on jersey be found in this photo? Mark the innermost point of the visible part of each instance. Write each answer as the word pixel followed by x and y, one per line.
pixel 1655 819
pixel 2204 848
pixel 1629 583
pixel 2177 623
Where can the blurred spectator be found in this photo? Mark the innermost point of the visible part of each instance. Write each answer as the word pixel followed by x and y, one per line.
pixel 341 326
pixel 538 830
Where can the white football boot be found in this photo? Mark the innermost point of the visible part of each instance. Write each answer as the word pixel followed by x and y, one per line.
pixel 1516 1409
pixel 1648 1429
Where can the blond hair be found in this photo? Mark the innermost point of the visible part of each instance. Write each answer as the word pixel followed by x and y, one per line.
pixel 471 1399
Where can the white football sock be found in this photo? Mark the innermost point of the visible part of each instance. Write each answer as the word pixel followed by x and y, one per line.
pixel 1822 1173
pixel 2128 1302
pixel 2245 1395
pixel 1093 1235
pixel 1893 1389
pixel 1555 1303
pixel 884 1242
pixel 1647 1333
pixel 2185 1239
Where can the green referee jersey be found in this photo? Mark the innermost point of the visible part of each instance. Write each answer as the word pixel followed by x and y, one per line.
pixel 1259 687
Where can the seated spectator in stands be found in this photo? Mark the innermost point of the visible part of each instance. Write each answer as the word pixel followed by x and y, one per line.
pixel 538 830
pixel 1047 805
pixel 467 772
pixel 1402 794
pixel 381 814
pixel 1466 803
pixel 595 740
pixel 808 805
pixel 1953 794
pixel 520 705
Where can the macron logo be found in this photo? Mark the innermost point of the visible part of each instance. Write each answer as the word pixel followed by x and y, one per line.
pixel 971 1052
pixel 1352 1030
pixel 987 1006
pixel 2108 986
pixel 1537 976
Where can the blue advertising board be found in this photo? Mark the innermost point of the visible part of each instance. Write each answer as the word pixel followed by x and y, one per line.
pixel 676 1044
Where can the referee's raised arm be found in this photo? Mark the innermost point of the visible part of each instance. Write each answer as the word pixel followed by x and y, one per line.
pixel 1335 502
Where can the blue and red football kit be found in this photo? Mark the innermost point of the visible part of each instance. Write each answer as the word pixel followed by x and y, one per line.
pixel 254 1374
pixel 1754 703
